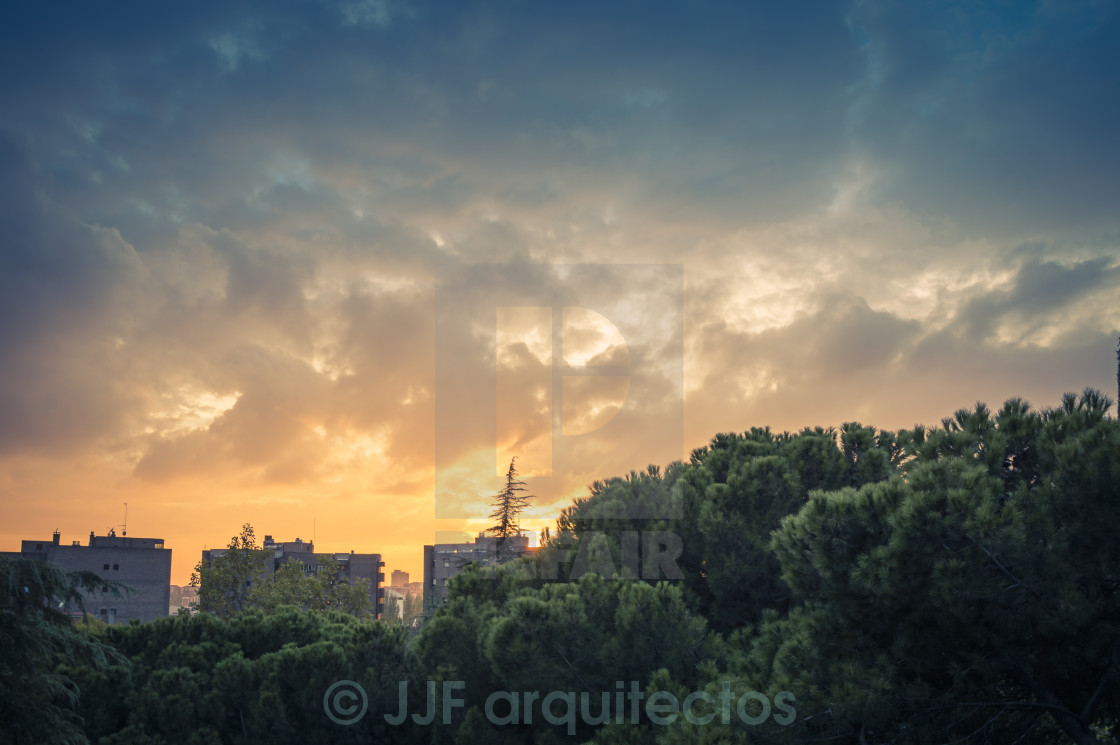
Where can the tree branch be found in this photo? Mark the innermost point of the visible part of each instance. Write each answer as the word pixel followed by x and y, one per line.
pixel 1005 570
pixel 1091 704
pixel 1008 704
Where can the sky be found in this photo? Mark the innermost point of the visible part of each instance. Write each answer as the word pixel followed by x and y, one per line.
pixel 326 266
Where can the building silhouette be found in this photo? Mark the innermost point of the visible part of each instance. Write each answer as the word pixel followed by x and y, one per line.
pixel 442 561
pixel 142 565
pixel 352 566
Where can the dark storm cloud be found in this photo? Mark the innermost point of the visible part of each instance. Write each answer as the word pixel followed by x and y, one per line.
pixel 1040 288
pixel 183 116
pixel 993 113
pixel 725 114
pixel 187 188
pixel 62 285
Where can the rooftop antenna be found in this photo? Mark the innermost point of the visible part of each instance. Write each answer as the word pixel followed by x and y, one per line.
pixel 123 526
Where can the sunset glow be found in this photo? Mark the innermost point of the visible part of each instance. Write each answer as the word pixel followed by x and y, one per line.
pixel 326 268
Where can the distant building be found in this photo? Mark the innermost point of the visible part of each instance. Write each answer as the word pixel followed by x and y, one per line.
pixel 141 564
pixel 400 579
pixel 444 560
pixel 352 566
pixel 183 597
pixel 391 594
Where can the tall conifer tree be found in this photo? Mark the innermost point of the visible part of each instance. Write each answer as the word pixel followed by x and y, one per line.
pixel 508 504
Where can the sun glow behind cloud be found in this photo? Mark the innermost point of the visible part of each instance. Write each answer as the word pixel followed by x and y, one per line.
pixel 187 409
pixel 228 232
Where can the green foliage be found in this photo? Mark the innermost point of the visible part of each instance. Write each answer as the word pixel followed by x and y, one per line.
pixel 508 505
pixel 957 584
pixel 224 583
pixel 238 578
pixel 413 610
pixel 730 497
pixel 393 613
pixel 975 596
pixel 576 636
pixel 406 612
pixel 255 678
pixel 37 701
pixel 320 591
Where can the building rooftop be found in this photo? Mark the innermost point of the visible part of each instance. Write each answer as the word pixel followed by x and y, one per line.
pixel 111 540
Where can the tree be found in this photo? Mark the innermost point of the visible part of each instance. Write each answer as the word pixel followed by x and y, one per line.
pixel 224 583
pixel 37 702
pixel 321 591
pixel 256 678
pixel 498 633
pixel 404 612
pixel 393 613
pixel 238 578
pixel 413 608
pixel 508 504
pixel 977 599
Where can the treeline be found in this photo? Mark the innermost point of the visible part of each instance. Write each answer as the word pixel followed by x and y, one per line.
pixel 952 584
pixel 237 579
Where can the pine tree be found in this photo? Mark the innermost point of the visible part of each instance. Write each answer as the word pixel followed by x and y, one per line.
pixel 38 702
pixel 508 504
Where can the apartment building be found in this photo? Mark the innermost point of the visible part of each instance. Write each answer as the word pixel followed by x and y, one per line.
pixel 142 565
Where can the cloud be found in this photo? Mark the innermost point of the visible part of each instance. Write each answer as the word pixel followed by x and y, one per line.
pixel 64 292
pixel 998 114
pixel 1040 291
pixel 229 231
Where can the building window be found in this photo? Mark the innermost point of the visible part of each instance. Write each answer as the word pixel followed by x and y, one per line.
pixel 106 567
pixel 116 567
pixel 38 546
